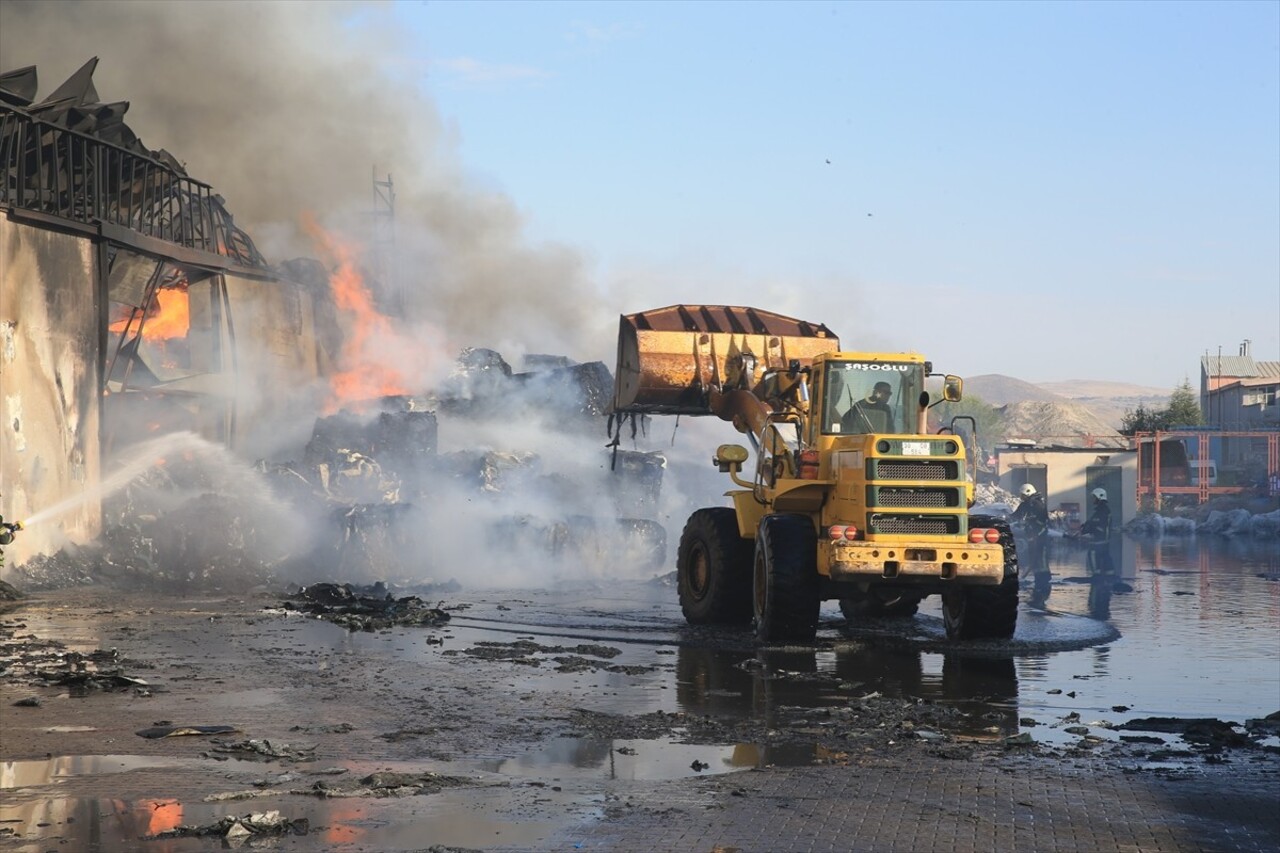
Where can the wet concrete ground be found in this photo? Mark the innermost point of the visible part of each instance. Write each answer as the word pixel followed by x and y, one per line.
pixel 593 718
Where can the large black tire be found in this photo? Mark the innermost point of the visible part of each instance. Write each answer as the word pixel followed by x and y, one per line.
pixel 879 606
pixel 713 569
pixel 787 589
pixel 986 612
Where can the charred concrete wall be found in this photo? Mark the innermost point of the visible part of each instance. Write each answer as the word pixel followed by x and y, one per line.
pixel 49 381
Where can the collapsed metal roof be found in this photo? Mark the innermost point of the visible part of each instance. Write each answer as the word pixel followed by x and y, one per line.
pixel 73 158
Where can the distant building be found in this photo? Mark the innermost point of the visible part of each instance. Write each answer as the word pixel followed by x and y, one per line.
pixel 1239 393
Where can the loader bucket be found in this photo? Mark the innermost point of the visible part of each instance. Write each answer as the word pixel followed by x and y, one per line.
pixel 669 359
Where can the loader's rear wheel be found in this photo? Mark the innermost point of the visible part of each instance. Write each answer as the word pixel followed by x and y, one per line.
pixel 985 612
pixel 713 569
pixel 786 580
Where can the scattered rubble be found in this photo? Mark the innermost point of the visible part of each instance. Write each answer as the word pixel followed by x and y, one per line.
pixel 1203 731
pixel 567 658
pixel 262 748
pixel 237 831
pixel 167 729
pixel 40 662
pixel 387 783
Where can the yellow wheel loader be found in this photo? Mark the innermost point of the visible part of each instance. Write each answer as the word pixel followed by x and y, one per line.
pixel 847 495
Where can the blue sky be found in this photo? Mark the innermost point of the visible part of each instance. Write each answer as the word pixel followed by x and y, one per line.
pixel 1047 190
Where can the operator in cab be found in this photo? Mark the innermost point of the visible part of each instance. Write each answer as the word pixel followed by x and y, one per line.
pixel 872 414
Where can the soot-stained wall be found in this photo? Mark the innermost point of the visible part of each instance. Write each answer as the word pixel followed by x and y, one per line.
pixel 49 400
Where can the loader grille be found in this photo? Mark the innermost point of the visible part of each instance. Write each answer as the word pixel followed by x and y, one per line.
pixel 899 496
pixel 893 469
pixel 936 525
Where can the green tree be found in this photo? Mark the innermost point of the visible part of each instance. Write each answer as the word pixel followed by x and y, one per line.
pixel 1143 419
pixel 1184 406
pixel 1183 410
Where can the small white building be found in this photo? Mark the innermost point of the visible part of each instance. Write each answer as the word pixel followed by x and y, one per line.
pixel 1066 475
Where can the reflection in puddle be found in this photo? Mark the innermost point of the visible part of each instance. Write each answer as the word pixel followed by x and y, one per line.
pixel 717 682
pixel 644 760
pixel 25 774
pixel 458 818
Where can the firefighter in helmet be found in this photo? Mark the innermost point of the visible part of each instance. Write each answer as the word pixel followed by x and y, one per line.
pixel 1032 520
pixel 1096 532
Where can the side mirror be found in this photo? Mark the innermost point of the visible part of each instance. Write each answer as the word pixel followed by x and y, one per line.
pixel 952 388
pixel 729 457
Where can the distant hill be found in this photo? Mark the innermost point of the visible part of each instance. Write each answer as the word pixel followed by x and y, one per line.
pixel 1074 389
pixel 1058 422
pixel 1110 400
pixel 1105 400
pixel 1000 390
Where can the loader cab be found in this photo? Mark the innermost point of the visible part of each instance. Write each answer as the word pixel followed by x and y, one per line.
pixel 864 394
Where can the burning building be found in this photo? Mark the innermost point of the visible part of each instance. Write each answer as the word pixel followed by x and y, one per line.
pixel 130 303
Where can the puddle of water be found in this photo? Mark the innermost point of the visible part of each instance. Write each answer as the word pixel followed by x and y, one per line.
pixel 653 760
pixel 737 685
pixel 1156 651
pixel 25 774
pixel 479 816
pixel 49 771
pixel 71 729
pixel 1198 634
pixel 464 818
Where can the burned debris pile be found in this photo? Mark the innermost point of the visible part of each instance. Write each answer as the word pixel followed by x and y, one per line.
pixel 365 609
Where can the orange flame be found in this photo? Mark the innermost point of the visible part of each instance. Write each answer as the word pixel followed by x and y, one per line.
pixel 364 373
pixel 168 316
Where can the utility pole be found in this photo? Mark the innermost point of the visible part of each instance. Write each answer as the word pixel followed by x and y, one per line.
pixel 384 246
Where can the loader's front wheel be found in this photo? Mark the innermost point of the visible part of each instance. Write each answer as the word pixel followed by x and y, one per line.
pixel 985 612
pixel 786 580
pixel 713 569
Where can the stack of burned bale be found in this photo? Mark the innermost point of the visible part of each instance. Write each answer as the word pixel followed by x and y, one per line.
pixel 362 472
pixel 552 388
pixel 373 458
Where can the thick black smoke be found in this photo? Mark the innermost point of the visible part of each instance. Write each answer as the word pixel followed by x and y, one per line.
pixel 287 109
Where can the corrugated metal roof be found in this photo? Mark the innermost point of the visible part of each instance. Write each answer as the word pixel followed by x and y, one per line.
pixel 1228 365
pixel 1270 369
